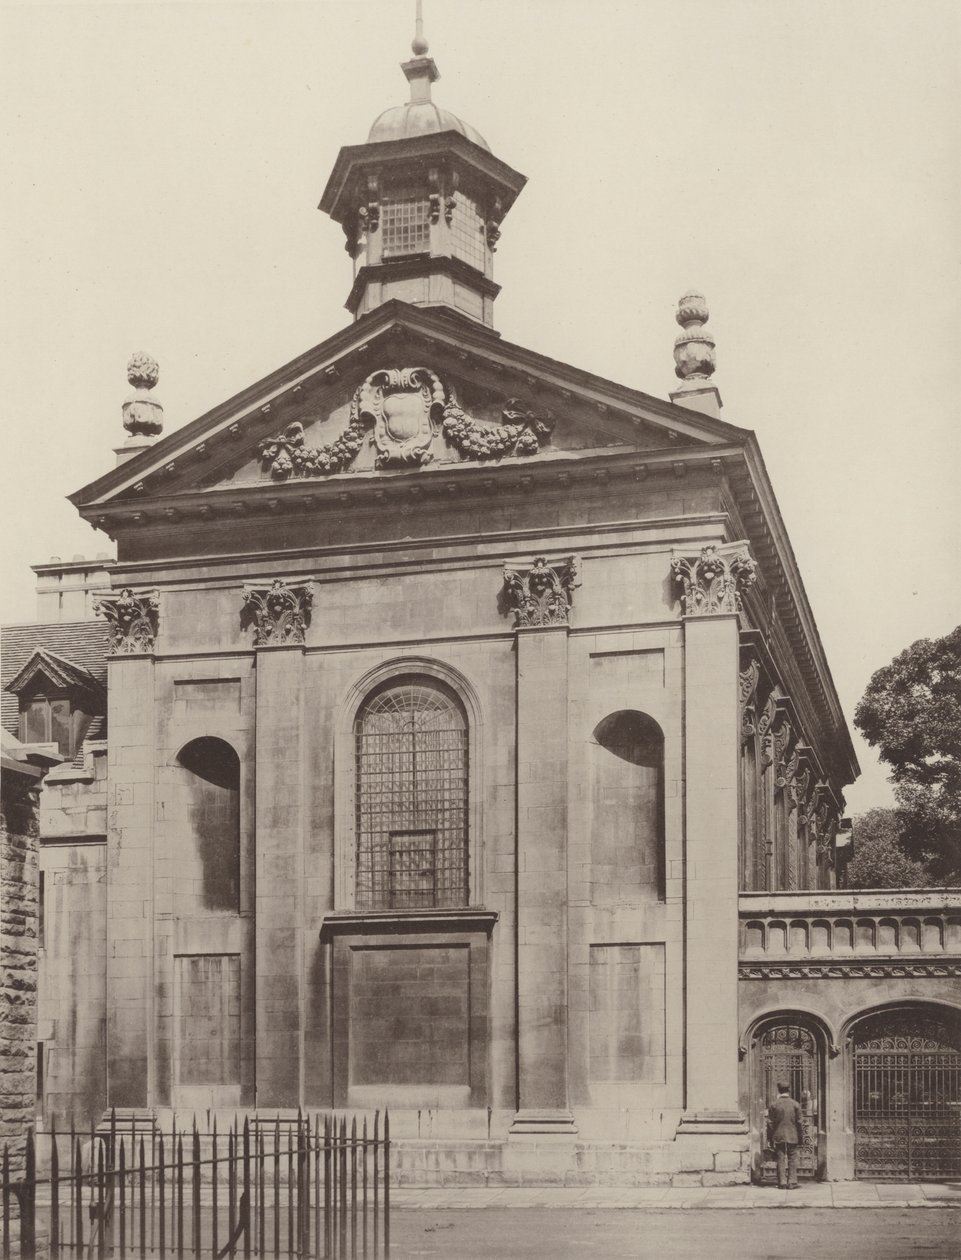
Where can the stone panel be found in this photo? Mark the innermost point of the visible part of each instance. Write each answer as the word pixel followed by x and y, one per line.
pixel 73 979
pixel 410 1016
pixel 627 1026
pixel 207 1002
pixel 195 698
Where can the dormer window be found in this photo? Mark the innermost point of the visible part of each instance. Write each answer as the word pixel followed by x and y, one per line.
pixel 48 720
pixel 58 700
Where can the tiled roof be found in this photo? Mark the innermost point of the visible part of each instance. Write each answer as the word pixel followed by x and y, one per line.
pixel 82 643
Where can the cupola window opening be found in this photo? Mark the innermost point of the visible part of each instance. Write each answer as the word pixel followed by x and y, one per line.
pixel 467 232
pixel 405 226
pixel 411 756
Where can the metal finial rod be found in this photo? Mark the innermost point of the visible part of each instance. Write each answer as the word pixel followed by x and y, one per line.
pixel 419 45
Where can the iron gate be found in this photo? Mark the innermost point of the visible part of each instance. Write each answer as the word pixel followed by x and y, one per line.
pixel 907 1098
pixel 788 1053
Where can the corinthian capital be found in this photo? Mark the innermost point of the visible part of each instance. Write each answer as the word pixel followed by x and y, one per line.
pixel 713 581
pixel 133 620
pixel 279 613
pixel 542 595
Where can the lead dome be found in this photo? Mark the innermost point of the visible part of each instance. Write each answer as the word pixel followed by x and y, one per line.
pixel 420 118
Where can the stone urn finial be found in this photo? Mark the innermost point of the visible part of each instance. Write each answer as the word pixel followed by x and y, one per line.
pixel 143 416
pixel 694 346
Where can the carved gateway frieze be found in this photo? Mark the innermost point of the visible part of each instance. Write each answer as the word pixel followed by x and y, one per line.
pixel 839 969
pixel 403 410
pixel 133 619
pixel 279 613
pixel 714 580
pixel 542 595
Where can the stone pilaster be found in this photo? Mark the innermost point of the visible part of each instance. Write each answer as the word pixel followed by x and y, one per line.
pixel 131 761
pixel 540 598
pixel 280 613
pixel 710 593
pixel 131 771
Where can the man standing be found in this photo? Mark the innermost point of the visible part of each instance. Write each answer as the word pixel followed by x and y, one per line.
pixel 786 1127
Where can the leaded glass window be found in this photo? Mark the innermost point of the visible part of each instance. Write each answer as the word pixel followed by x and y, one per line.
pixel 405 227
pixel 467 229
pixel 411 754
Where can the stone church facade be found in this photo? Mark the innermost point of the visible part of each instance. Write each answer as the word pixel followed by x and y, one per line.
pixel 453 734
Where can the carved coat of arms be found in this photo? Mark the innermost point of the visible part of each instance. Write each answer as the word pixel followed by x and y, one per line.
pixel 404 405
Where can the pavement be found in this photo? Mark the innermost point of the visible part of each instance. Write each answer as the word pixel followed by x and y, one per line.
pixel 825 1194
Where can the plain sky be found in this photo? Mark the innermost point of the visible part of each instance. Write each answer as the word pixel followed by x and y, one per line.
pixel 799 161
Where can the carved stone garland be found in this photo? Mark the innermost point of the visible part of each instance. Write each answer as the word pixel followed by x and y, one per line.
pixel 747 688
pixel 522 433
pixel 764 730
pixel 542 595
pixel 279 613
pixel 713 581
pixel 780 737
pixel 788 774
pixel 403 407
pixel 133 621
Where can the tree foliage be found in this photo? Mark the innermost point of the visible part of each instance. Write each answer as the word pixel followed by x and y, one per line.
pixel 879 859
pixel 911 712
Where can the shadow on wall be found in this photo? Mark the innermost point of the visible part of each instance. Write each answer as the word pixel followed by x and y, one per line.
pixel 628 806
pixel 213 812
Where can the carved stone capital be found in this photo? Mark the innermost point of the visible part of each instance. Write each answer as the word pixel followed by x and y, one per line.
pixel 542 595
pixel 713 581
pixel 279 613
pixel 133 620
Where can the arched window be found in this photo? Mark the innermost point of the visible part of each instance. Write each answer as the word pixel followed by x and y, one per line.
pixel 212 785
pixel 627 830
pixel 411 751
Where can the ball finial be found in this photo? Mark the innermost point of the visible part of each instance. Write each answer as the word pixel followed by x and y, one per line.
pixel 143 371
pixel 143 414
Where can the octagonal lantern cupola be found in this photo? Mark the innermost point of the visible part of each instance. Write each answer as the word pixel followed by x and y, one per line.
pixel 421 204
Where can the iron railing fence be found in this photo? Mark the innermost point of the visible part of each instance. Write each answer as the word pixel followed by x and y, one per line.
pixel 307 1187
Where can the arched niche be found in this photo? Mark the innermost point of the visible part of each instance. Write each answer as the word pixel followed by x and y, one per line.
pixel 627 807
pixel 211 786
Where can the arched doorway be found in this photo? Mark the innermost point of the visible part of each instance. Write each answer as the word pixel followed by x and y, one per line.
pixel 787 1049
pixel 907 1095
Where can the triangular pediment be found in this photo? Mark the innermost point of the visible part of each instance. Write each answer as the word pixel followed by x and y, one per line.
pixel 403 391
pixel 47 671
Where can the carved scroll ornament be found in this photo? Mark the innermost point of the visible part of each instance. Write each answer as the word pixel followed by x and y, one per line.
pixel 714 581
pixel 133 621
pixel 403 409
pixel 542 595
pixel 279 613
